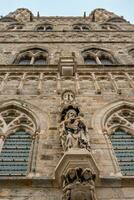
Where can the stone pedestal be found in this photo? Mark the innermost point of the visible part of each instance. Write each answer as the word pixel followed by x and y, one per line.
pixel 73 158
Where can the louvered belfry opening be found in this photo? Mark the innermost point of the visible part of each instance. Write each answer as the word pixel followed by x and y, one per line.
pixel 14 157
pixel 123 145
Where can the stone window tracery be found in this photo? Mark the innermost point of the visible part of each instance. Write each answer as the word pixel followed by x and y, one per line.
pixel 98 56
pixel 81 27
pixel 123 117
pixel 15 26
pixel 32 57
pixel 44 27
pixel 17 132
pixel 120 126
pixel 109 27
pixel 131 52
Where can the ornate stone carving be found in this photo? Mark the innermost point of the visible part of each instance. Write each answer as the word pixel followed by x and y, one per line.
pixel 73 131
pixel 21 15
pixel 122 117
pixel 68 96
pixel 78 184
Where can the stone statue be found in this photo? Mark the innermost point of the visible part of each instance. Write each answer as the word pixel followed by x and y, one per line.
pixel 79 184
pixel 73 131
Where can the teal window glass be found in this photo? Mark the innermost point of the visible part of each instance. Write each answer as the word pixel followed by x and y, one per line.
pixel 89 61
pixel 14 157
pixel 123 145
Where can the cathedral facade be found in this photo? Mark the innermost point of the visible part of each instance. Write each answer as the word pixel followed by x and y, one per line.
pixel 66 107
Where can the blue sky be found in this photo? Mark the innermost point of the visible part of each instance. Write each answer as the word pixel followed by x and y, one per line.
pixel 69 7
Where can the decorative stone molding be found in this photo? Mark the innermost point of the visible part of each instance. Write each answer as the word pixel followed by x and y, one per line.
pixel 76 158
pixel 79 183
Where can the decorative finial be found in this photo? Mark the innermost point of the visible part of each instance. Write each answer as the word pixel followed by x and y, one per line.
pixel 84 14
pixel 38 14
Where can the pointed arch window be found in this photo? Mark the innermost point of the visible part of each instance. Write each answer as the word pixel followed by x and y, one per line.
pixel 15 26
pixel 98 56
pixel 34 56
pixel 18 130
pixel 44 27
pixel 110 27
pixel 123 145
pixel 14 157
pixel 121 125
pixel 81 27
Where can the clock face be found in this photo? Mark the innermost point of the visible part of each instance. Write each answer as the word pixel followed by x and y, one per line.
pixel 68 96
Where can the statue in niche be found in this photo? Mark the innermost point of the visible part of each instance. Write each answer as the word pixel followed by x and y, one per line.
pixel 79 184
pixel 73 131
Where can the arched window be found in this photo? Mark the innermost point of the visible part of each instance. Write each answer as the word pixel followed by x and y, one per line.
pixel 89 60
pixel 18 130
pixel 110 27
pixel 34 56
pixel 16 26
pixel 131 52
pixel 44 27
pixel 120 127
pixel 14 157
pixel 98 56
pixel 116 20
pixel 123 145
pixel 81 27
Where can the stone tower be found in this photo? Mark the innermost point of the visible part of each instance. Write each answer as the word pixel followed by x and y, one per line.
pixel 66 107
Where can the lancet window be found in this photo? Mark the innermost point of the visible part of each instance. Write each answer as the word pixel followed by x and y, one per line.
pixel 120 125
pixel 17 131
pixel 131 52
pixel 123 145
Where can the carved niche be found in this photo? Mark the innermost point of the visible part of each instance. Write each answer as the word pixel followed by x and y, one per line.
pixel 79 184
pixel 73 130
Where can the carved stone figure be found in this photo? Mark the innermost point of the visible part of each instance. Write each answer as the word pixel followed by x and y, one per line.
pixel 79 184
pixel 73 131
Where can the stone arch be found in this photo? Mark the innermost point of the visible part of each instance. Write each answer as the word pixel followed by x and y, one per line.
pixel 8 19
pixel 109 26
pixel 116 19
pixel 131 51
pixel 97 54
pixel 44 27
pixel 15 115
pixel 19 134
pixel 31 52
pixel 101 116
pixel 15 26
pixel 118 135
